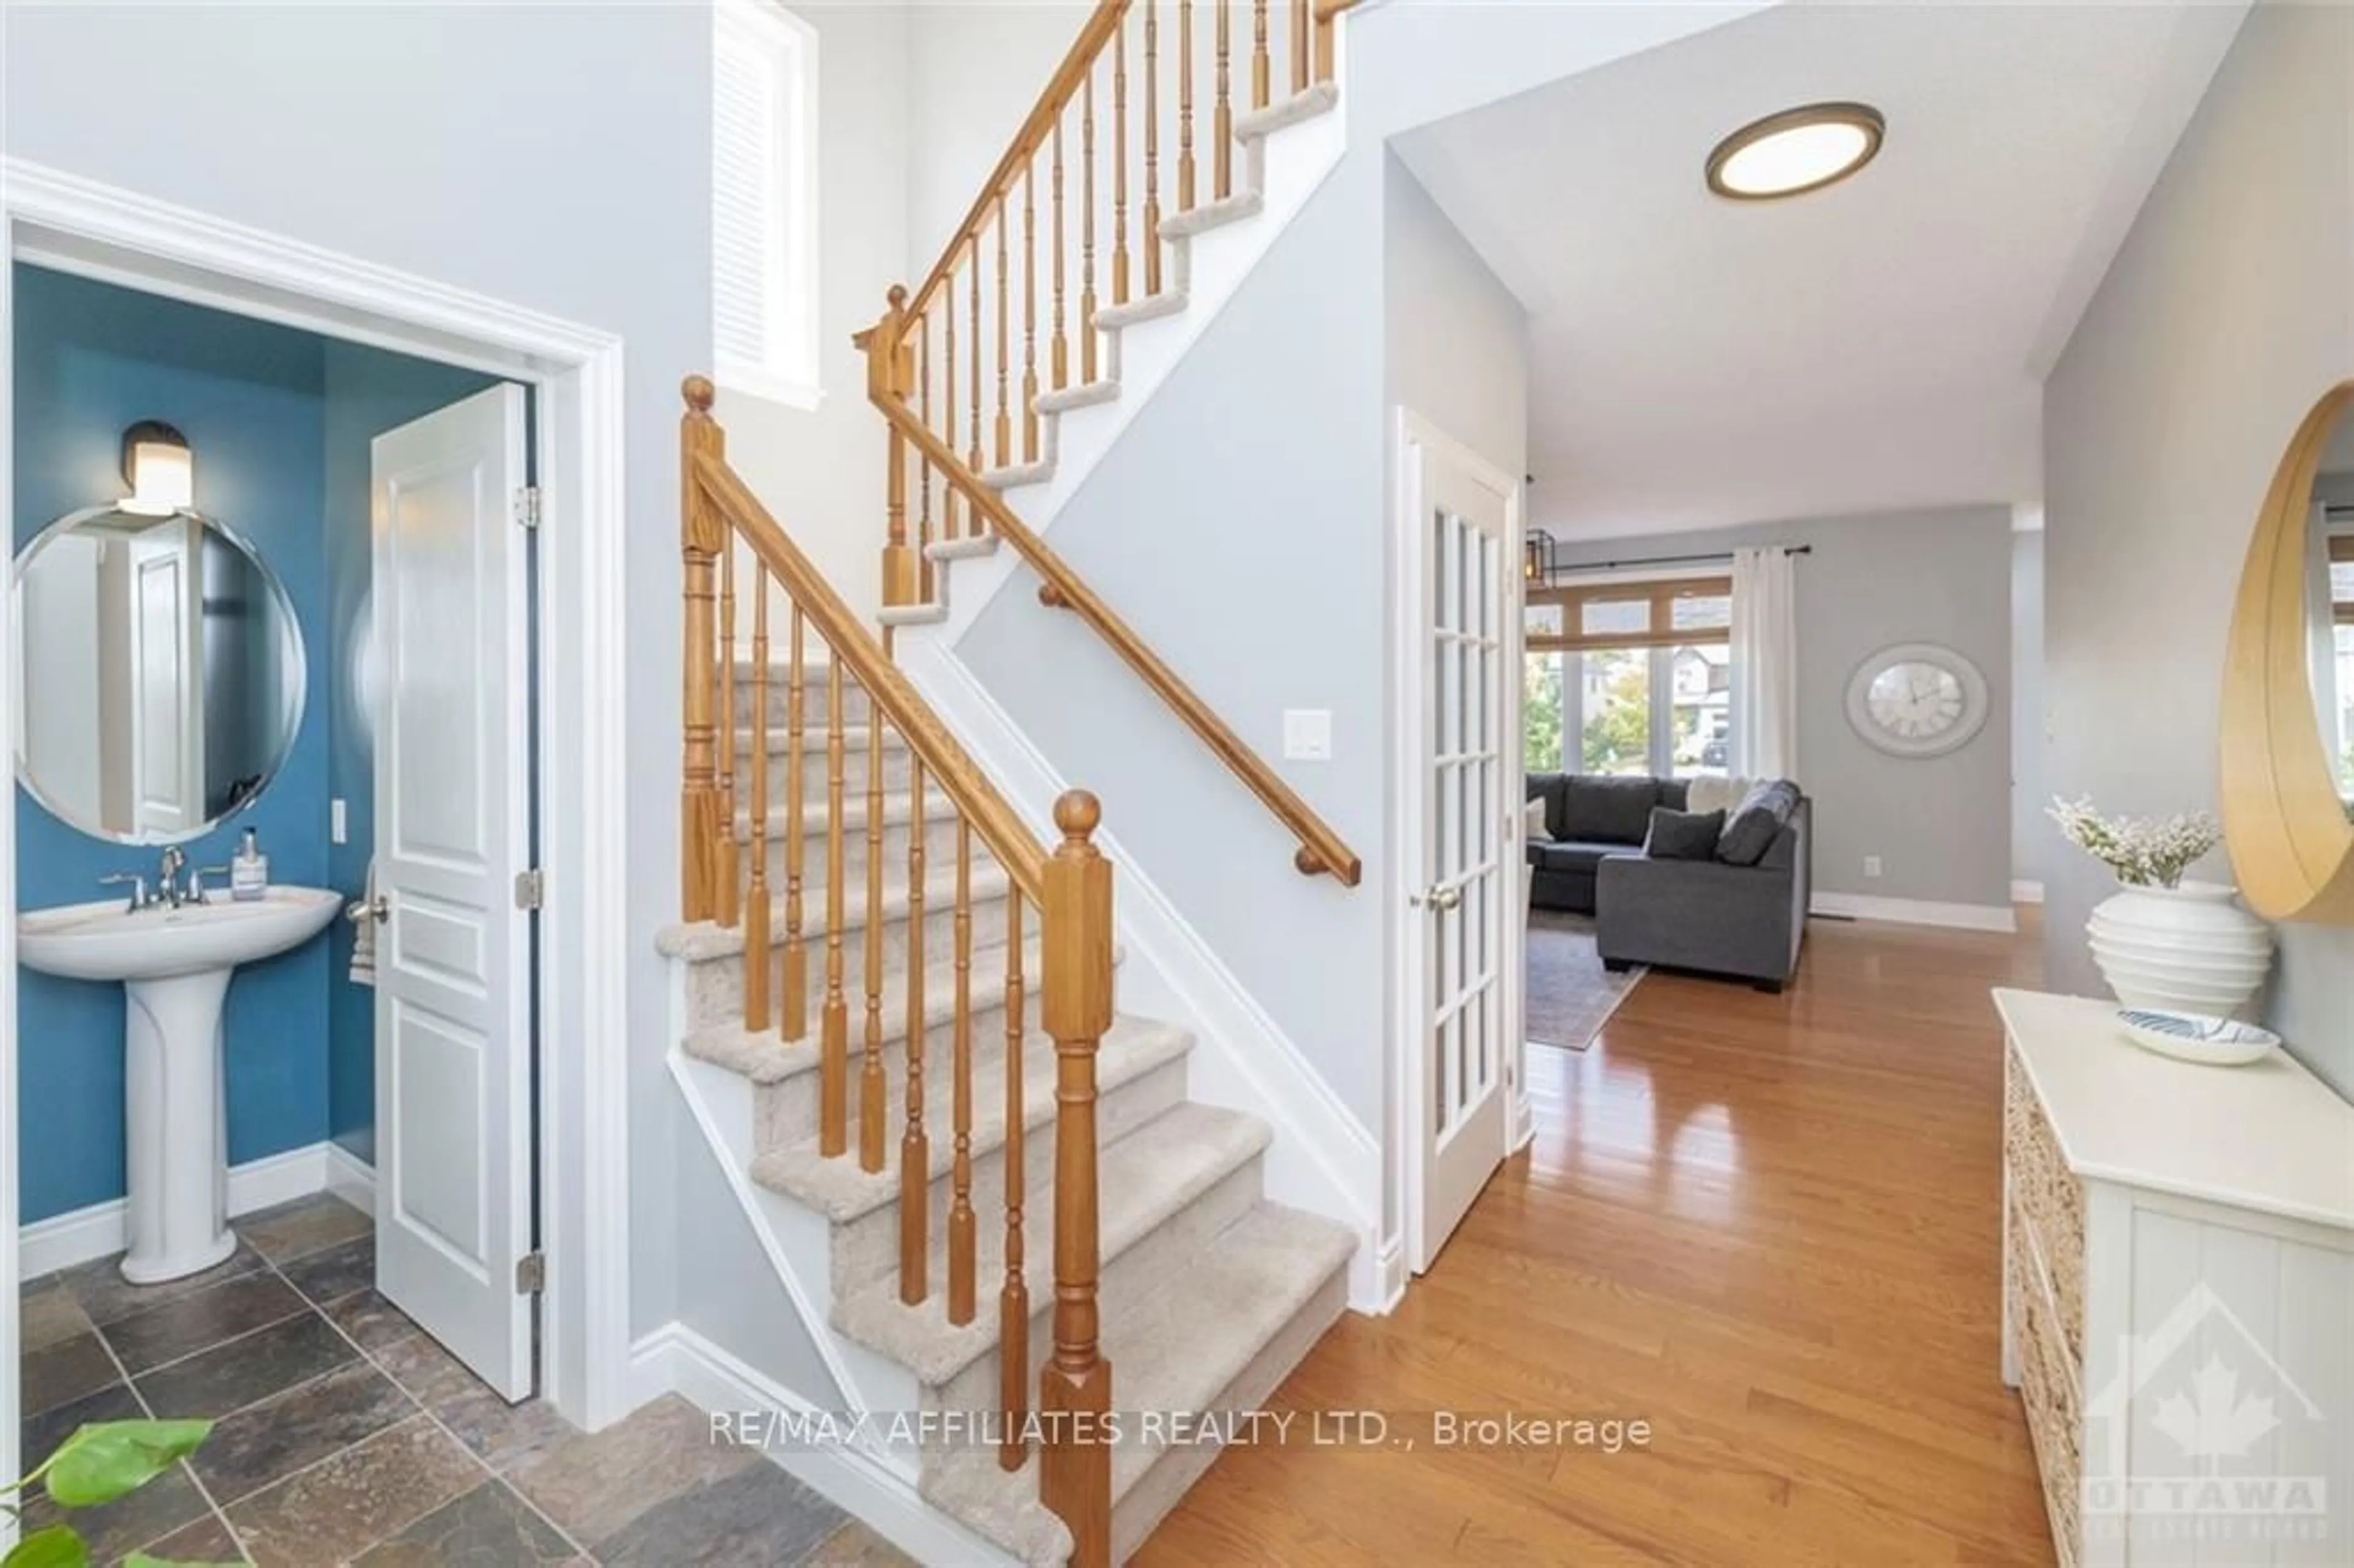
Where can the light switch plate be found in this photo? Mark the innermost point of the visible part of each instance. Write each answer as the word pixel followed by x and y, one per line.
pixel 1306 734
pixel 336 829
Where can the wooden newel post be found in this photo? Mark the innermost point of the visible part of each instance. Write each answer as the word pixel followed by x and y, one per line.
pixel 700 542
pixel 890 374
pixel 1075 1390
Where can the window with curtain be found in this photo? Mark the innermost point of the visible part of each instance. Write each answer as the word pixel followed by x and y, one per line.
pixel 1629 678
pixel 764 201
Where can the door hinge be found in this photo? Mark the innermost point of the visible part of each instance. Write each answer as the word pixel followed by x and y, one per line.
pixel 527 506
pixel 531 888
pixel 530 1274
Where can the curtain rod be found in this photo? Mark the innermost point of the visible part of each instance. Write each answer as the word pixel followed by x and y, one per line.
pixel 1562 566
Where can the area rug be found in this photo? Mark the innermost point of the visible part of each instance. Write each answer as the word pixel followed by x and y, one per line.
pixel 1571 995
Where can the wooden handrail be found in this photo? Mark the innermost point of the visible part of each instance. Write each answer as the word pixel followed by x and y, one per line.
pixel 1009 838
pixel 1320 850
pixel 1101 23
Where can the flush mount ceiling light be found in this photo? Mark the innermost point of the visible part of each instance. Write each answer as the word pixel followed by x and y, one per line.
pixel 1796 151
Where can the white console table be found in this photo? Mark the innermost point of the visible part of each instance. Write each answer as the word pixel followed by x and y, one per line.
pixel 2177 1295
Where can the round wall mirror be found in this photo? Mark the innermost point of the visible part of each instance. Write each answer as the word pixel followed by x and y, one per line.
pixel 2289 687
pixel 159 673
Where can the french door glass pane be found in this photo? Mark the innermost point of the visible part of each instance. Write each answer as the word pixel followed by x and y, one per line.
pixel 1615 704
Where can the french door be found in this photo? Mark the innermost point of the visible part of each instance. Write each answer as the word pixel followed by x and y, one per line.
pixel 1465 896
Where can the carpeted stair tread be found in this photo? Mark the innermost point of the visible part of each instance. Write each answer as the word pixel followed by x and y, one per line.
pixel 1176 1350
pixel 704 940
pixel 842 1191
pixel 1144 1179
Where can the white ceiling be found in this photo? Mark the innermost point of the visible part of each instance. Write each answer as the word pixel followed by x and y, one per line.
pixel 1696 364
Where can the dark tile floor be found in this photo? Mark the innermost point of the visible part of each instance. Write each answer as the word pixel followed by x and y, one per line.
pixel 346 1434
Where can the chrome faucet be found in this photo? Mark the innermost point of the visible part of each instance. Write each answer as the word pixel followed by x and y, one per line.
pixel 136 883
pixel 167 875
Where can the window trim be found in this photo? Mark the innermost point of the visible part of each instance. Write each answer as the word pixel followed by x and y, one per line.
pixel 1660 630
pixel 788 39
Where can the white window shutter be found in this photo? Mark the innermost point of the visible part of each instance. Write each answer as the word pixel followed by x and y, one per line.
pixel 763 293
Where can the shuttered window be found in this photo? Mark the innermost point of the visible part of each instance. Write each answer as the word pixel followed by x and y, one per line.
pixel 764 201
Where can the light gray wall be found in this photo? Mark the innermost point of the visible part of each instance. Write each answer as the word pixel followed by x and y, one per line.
pixel 2228 312
pixel 1941 825
pixel 552 156
pixel 2034 840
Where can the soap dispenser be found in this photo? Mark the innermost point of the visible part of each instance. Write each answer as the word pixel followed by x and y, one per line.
pixel 249 872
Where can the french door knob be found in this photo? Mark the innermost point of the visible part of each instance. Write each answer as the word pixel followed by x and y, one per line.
pixel 1439 897
pixel 381 910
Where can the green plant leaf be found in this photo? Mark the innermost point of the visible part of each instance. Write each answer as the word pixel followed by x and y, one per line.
pixel 107 1459
pixel 56 1547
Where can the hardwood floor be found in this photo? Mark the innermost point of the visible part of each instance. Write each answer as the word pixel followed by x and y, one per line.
pixel 1770 1227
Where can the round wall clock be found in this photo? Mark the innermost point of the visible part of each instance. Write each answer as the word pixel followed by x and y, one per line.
pixel 1917 699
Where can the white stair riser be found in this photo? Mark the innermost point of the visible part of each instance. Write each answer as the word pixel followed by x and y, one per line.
pixel 898 767
pixel 715 987
pixel 855 704
pixel 867 1248
pixel 1143 1506
pixel 1137 1272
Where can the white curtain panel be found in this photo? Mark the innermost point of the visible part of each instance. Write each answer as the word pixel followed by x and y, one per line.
pixel 1764 664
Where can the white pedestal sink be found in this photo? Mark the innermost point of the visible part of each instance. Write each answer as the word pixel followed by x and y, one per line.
pixel 174 965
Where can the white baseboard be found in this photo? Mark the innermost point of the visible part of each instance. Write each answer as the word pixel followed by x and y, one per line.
pixel 350 1178
pixel 102 1230
pixel 2027 893
pixel 674 1359
pixel 1323 1159
pixel 1916 911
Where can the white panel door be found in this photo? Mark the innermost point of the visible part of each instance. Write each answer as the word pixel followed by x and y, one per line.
pixel 1459 944
pixel 453 832
pixel 166 666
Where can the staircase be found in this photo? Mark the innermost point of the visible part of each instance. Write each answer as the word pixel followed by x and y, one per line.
pixel 912 988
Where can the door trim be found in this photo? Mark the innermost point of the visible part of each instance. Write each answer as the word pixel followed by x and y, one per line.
pixel 1413 435
pixel 71 224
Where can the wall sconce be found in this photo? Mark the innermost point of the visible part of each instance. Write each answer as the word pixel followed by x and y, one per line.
pixel 160 468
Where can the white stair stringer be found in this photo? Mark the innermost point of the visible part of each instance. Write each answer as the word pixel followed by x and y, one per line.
pixel 1208 1292
pixel 1288 149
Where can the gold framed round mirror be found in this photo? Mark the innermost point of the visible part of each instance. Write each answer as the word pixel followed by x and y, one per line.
pixel 2288 682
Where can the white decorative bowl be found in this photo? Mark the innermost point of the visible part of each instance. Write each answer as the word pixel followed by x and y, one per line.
pixel 2193 1037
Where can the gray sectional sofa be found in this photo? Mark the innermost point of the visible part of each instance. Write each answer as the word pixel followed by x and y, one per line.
pixel 1746 921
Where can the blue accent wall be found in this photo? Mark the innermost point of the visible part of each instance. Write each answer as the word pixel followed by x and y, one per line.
pixel 91 360
pixel 280 423
pixel 367 392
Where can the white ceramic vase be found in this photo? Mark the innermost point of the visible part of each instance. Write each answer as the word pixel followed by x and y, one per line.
pixel 2189 948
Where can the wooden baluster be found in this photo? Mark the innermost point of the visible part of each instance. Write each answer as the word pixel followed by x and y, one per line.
pixel 1222 117
pixel 1184 105
pixel 731 865
pixel 1029 313
pixel 794 1023
pixel 1260 85
pixel 701 537
pixel 962 1243
pixel 759 958
pixel 1299 46
pixel 1013 1297
pixel 1087 233
pixel 914 1146
pixel 951 500
pixel 1061 348
pixel 1004 344
pixel 973 458
pixel 833 1046
pixel 1119 164
pixel 871 1087
pixel 1325 63
pixel 890 369
pixel 923 468
pixel 1075 1391
pixel 1151 148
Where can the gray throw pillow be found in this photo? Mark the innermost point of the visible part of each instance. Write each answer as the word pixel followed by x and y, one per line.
pixel 1683 835
pixel 1754 824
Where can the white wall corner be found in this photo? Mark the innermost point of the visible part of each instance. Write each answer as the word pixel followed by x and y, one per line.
pixel 1323 1158
pixel 2026 891
pixel 746 1405
pixel 351 1178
